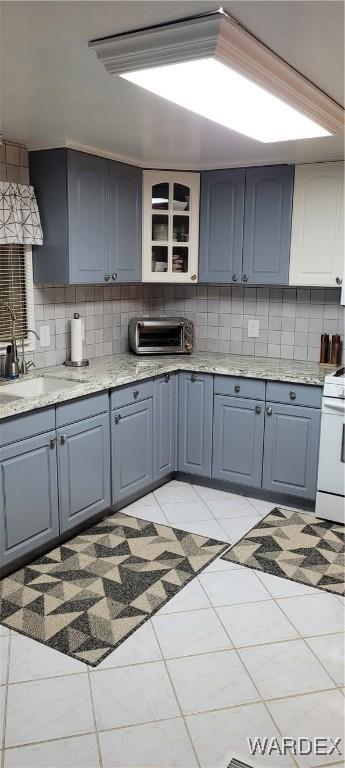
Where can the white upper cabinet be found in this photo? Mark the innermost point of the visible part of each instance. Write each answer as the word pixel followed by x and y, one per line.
pixel 170 226
pixel 317 238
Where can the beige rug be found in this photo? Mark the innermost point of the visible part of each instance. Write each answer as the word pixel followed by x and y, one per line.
pixel 88 595
pixel 296 546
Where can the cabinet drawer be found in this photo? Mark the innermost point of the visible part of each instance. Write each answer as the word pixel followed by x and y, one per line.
pixel 26 425
pixel 294 394
pixel 132 393
pixel 239 386
pixel 83 408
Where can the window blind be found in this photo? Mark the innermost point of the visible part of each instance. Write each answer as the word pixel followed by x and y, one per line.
pixel 13 291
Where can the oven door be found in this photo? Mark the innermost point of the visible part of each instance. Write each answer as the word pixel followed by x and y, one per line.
pixel 331 475
pixel 161 337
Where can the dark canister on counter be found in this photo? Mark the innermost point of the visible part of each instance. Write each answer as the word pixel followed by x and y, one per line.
pixel 324 349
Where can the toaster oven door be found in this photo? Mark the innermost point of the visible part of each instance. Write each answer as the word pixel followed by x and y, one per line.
pixel 160 338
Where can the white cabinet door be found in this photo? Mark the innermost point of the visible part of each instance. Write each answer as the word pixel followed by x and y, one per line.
pixel 170 226
pixel 317 238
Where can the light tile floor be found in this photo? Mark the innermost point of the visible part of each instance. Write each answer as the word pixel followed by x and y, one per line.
pixel 236 653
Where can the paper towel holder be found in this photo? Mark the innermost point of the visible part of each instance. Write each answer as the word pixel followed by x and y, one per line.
pixel 80 363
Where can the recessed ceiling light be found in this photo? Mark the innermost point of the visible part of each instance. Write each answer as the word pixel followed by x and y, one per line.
pixel 212 66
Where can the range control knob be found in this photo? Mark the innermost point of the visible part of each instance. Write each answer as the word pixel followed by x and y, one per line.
pixel 340 391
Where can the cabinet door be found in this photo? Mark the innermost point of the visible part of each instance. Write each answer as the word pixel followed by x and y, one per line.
pixel 195 423
pixel 317 240
pixel 88 217
pixel 124 222
pixel 221 225
pixel 28 496
pixel 84 470
pixel 238 430
pixel 132 449
pixel 267 224
pixel 164 425
pixel 291 447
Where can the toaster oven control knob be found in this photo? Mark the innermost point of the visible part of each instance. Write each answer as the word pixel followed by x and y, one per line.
pixel 340 391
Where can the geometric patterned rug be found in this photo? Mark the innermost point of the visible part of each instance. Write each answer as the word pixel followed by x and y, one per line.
pixel 296 546
pixel 85 597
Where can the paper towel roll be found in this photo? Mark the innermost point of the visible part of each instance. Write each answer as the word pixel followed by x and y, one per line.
pixel 76 339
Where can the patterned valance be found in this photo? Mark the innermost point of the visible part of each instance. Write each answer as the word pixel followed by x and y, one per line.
pixel 19 216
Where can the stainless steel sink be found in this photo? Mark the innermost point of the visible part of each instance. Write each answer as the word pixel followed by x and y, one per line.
pixel 41 385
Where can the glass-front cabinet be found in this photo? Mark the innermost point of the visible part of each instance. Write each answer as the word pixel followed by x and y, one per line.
pixel 170 226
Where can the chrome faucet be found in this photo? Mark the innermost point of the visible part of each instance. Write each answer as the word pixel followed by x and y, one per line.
pixel 26 365
pixel 14 354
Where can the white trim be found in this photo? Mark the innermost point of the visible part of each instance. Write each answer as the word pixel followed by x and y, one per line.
pixel 219 36
pixel 30 341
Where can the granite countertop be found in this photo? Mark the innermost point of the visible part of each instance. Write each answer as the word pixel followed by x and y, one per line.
pixel 114 371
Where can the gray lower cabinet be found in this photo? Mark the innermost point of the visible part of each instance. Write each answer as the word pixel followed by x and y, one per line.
pixel 164 425
pixel 291 448
pixel 84 470
pixel 238 432
pixel 132 449
pixel 28 496
pixel 195 415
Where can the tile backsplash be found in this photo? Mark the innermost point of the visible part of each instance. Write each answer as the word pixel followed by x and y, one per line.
pixel 290 320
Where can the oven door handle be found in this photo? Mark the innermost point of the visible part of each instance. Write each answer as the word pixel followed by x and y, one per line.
pixel 337 405
pixel 342 449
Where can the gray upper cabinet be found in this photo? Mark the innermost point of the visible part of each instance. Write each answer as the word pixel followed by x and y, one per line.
pixel 195 403
pixel 125 222
pixel 132 449
pixel 267 224
pixel 28 496
pixel 291 448
pixel 90 210
pixel 238 431
pixel 87 217
pixel 221 225
pixel 84 470
pixel 164 425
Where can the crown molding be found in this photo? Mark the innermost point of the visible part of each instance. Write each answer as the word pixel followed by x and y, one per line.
pixel 217 35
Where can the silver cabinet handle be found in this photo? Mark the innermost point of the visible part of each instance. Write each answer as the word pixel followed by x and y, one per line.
pixel 52 442
pixel 193 277
pixel 338 280
pixel 117 418
pixel 245 278
pixel 235 277
pixel 114 276
pixel 258 409
pixel 269 410
pixel 237 388
pixel 135 393
pixel 167 377
pixel 107 278
pixel 63 438
pixel 193 377
pixel 292 395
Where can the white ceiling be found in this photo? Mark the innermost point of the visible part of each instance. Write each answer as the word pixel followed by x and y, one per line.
pixel 56 93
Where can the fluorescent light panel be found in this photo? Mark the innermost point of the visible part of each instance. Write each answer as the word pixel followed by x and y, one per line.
pixel 219 93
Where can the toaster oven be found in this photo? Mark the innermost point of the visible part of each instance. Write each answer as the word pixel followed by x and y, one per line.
pixel 161 335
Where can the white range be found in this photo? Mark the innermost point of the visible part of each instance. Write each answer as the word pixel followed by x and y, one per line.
pixel 330 501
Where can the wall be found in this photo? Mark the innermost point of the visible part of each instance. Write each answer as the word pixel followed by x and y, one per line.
pixel 291 320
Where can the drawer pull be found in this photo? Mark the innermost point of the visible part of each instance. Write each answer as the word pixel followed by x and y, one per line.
pixel 63 439
pixel 117 418
pixel 292 395
pixel 235 277
pixel 258 409
pixel 107 278
pixel 52 442
pixel 114 276
pixel 269 410
pixel 245 278
pixel 135 393
pixel 193 377
pixel 237 388
pixel 167 378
